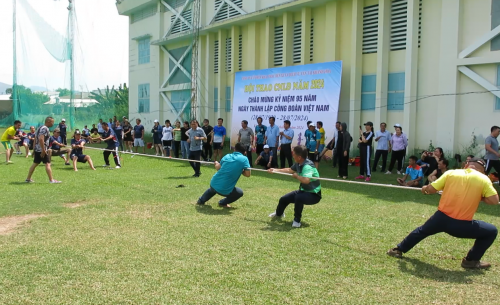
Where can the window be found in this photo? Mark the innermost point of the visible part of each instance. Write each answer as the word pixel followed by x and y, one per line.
pixel 216 56
pixel 178 76
pixel 228 54
pixel 144 13
pixel 396 91
pixel 180 25
pixel 182 99
pixel 311 42
pixel 144 98
pixel 175 3
pixel 495 21
pixel 144 51
pixel 228 99
pixel 399 20
pixel 240 52
pixel 278 45
pixel 370 29
pixel 227 11
pixel 368 87
pixel 497 100
pixel 297 37
pixel 216 99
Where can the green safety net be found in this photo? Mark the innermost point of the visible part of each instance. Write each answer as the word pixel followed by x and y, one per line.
pixel 48 48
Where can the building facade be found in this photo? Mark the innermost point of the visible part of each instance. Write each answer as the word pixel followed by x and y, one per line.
pixel 430 65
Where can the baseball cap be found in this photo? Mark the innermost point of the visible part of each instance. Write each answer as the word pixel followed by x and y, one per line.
pixel 124 117
pixel 369 123
pixel 478 161
pixel 156 121
pixel 266 146
pixel 312 124
pixel 77 132
pixel 63 120
pixel 397 125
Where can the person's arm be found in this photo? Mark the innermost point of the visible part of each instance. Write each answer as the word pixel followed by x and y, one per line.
pixel 217 166
pixel 270 160
pixel 365 140
pixel 246 173
pixel 223 141
pixel 429 190
pixel 239 137
pixel 258 159
pixel 303 180
pixel 491 150
pixel 42 145
pixel 492 200
pixel 434 173
pixel 142 135
pixel 278 137
pixel 405 177
pixel 281 170
pixel 60 144
pixel 252 137
pixel 203 137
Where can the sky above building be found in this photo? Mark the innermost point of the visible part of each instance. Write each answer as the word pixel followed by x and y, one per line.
pixel 101 44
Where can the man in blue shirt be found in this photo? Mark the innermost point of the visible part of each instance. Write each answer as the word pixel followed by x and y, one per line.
pixel 414 172
pixel 62 128
pixel 286 137
pixel 229 170
pixel 118 129
pixel 196 137
pixel 312 136
pixel 272 138
pixel 383 138
pixel 218 139
pixel 109 137
pixel 260 132
pixel 139 136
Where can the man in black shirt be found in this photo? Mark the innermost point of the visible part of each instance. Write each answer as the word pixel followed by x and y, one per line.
pixel 206 154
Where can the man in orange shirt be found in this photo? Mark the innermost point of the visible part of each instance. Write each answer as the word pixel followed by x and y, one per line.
pixel 463 189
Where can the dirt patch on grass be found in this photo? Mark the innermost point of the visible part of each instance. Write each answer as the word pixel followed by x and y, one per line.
pixel 74 205
pixel 10 224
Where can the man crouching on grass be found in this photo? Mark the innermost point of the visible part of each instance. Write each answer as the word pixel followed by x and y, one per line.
pixel 463 190
pixel 77 155
pixel 415 173
pixel 309 192
pixel 229 170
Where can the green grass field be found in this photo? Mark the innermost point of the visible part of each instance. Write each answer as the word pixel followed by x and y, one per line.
pixel 130 236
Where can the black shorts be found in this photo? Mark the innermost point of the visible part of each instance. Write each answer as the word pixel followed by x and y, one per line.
pixel 38 158
pixel 156 141
pixel 128 138
pixel 217 146
pixel 313 156
pixel 80 158
pixel 167 143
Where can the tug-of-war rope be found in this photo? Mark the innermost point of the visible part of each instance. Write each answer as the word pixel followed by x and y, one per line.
pixel 255 169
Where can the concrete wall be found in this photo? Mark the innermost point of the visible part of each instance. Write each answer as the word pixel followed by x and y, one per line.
pixel 431 114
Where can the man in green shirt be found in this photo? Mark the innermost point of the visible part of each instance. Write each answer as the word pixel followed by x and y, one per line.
pixel 309 192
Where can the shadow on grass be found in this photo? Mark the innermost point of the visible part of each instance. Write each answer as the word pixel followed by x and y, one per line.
pixel 209 210
pixel 423 270
pixel 277 225
pixel 179 178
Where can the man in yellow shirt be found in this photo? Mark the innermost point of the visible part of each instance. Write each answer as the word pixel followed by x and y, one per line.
pixel 463 189
pixel 319 125
pixel 8 135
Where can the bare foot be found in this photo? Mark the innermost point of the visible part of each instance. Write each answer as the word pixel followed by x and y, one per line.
pixel 93 168
pixel 227 206
pixel 76 170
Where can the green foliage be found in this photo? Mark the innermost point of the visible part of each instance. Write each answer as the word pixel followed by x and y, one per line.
pixel 431 147
pixel 29 101
pixel 111 101
pixel 472 148
pixel 8 91
pixel 63 92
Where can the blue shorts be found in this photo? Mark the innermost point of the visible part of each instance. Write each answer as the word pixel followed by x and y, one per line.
pixel 80 158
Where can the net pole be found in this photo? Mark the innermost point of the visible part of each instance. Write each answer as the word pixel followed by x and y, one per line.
pixel 15 100
pixel 71 18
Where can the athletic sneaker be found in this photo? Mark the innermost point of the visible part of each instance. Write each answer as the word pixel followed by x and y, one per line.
pixel 55 181
pixel 67 163
pixel 273 214
pixel 474 264
pixel 29 181
pixel 388 172
pixel 368 179
pixel 199 202
pixel 105 165
pixel 360 177
pixel 29 154
pixel 295 224
pixel 117 167
pixel 395 252
pixel 399 173
pixel 9 162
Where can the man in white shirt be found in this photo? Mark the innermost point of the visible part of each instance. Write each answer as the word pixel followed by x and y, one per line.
pixel 382 137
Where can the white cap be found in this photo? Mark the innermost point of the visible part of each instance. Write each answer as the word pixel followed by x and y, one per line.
pixel 156 121
pixel 63 120
pixel 312 124
pixel 397 125
pixel 266 146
